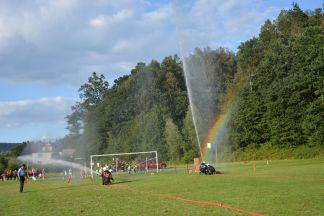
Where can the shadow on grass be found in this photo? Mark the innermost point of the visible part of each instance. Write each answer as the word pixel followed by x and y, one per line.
pixel 123 182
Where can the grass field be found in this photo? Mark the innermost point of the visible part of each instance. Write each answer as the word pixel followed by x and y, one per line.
pixel 290 187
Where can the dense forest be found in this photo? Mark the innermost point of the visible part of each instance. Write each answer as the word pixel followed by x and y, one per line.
pixel 9 154
pixel 277 76
pixel 7 146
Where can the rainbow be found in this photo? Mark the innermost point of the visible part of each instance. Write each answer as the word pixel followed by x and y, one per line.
pixel 217 132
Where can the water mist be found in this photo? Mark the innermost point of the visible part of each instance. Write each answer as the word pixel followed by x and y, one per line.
pixel 201 77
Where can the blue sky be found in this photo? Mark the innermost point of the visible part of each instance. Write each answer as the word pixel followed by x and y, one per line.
pixel 48 48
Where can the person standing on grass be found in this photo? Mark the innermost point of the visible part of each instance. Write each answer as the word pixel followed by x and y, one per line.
pixel 64 175
pixel 70 175
pixel 129 169
pixel 21 174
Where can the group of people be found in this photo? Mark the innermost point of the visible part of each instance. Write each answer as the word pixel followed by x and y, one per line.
pixel 21 174
pixel 122 165
pixel 207 169
pixel 36 173
pixel 68 175
pixel 106 174
pixel 9 175
pixel 13 174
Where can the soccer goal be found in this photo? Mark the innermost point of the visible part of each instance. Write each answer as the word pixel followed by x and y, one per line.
pixel 117 159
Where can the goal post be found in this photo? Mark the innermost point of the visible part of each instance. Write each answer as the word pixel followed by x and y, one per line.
pixel 128 153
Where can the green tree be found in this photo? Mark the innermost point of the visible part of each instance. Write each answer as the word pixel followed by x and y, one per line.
pixel 174 140
pixel 191 147
pixel 277 105
pixel 91 94
pixel 18 149
pixel 3 163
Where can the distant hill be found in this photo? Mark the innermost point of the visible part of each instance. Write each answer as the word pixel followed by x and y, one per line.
pixel 7 146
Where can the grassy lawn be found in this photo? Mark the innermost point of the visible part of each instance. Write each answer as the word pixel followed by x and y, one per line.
pixel 291 187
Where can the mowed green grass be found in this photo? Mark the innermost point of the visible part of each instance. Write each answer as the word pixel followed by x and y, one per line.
pixel 291 187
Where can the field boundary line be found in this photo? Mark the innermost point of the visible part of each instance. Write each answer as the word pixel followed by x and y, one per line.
pixel 192 201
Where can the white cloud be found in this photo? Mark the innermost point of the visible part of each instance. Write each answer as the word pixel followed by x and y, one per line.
pixel 106 21
pixel 161 14
pixel 51 42
pixel 59 42
pixel 98 22
pixel 32 20
pixel 120 16
pixel 34 112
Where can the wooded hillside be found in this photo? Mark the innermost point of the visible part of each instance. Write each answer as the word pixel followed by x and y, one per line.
pixel 279 77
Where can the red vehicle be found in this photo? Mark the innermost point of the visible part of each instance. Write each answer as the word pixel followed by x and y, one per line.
pixel 151 164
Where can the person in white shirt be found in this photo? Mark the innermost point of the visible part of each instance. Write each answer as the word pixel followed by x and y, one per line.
pixel 21 175
pixel 70 175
